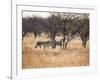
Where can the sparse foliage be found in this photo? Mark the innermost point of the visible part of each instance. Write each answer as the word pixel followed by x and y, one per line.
pixel 67 24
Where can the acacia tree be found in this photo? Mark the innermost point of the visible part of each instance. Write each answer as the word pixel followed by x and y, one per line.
pixel 84 31
pixel 68 24
pixel 26 26
pixel 81 25
pixel 67 30
pixel 73 24
pixel 33 24
pixel 53 26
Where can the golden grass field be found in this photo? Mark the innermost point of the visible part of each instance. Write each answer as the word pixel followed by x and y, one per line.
pixel 74 55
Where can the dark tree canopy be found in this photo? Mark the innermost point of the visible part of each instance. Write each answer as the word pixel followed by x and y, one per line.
pixel 67 24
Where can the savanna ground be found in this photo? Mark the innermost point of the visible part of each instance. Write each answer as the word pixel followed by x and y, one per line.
pixel 74 55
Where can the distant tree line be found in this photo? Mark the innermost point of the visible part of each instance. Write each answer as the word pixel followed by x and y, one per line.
pixel 67 24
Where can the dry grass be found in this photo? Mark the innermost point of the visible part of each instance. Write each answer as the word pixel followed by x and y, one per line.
pixel 74 55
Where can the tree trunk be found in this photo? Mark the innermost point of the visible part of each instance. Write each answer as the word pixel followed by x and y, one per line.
pixel 63 41
pixel 35 34
pixel 84 43
pixel 53 41
pixel 23 34
pixel 66 44
pixel 68 40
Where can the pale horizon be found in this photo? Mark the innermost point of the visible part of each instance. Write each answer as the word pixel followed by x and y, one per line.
pixel 37 14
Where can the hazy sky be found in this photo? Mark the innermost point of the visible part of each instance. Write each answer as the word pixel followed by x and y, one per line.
pixel 32 13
